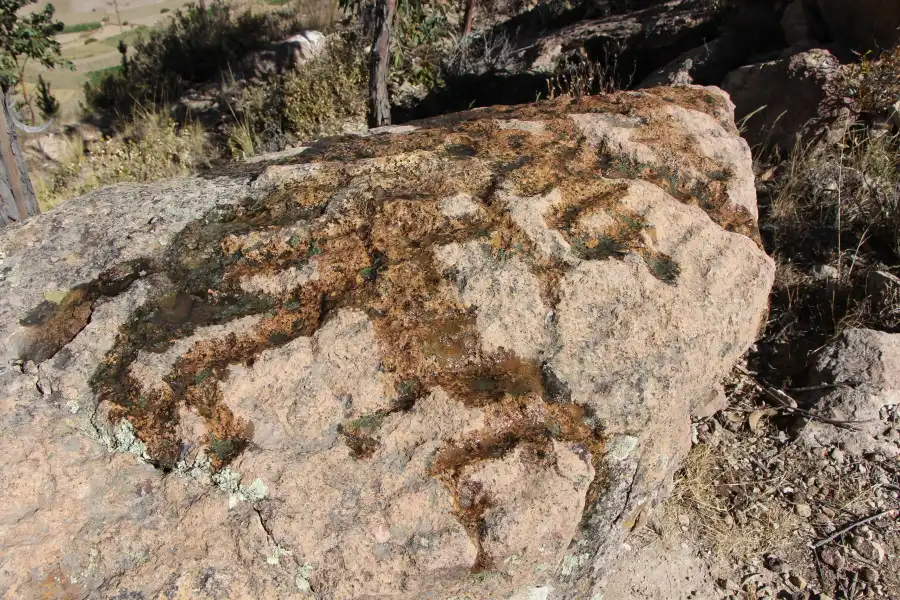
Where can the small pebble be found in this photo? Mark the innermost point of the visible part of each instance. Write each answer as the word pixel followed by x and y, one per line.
pixel 833 558
pixel 803 510
pixel 44 387
pixel 775 564
pixel 837 455
pixel 798 581
pixel 727 584
pixel 869 575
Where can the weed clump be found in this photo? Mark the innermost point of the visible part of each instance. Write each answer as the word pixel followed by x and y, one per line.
pixel 150 147
pixel 324 96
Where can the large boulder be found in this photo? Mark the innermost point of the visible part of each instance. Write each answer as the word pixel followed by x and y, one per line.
pixel 284 55
pixel 451 359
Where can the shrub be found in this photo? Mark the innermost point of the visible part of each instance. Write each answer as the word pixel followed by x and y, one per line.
pixel 317 98
pixel 193 47
pixel 150 147
pixel 425 32
pixel 48 105
pixel 874 85
pixel 90 40
pixel 79 27
pixel 833 209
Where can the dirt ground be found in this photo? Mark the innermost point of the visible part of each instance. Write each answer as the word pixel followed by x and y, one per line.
pixel 754 515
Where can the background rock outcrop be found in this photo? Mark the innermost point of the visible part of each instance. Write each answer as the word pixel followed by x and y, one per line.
pixel 456 358
pixel 860 378
pixel 785 100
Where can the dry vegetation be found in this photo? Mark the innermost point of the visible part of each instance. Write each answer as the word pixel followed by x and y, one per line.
pixel 148 148
pixel 325 96
pixel 758 502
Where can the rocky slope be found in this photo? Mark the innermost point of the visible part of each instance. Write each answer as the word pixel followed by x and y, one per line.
pixel 451 359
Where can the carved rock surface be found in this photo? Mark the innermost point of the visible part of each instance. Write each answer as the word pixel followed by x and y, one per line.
pixel 449 360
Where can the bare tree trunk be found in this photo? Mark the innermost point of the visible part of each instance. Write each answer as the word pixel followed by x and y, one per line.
pixel 468 18
pixel 28 101
pixel 17 199
pixel 379 65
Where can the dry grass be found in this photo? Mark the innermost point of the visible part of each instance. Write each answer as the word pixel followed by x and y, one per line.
pixel 838 209
pixel 150 147
pixel 321 15
pixel 833 202
pixel 583 78
pixel 711 487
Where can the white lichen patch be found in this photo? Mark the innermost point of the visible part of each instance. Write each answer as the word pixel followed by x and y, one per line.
pixel 573 562
pixel 539 593
pixel 282 283
pixel 459 206
pixel 302 579
pixel 274 558
pixel 122 438
pixel 620 447
pixel 199 469
pixel 520 125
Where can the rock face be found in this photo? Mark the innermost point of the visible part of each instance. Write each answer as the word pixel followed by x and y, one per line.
pixel 862 25
pixel 284 55
pixel 456 359
pixel 863 365
pixel 785 98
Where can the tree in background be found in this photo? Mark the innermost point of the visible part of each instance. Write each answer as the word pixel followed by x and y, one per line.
pixel 47 104
pixel 408 39
pixel 24 38
pixel 379 65
pixel 468 18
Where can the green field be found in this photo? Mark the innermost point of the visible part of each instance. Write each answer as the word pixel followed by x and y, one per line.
pixel 79 27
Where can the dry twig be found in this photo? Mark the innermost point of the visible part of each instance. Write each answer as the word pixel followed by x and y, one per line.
pixel 852 526
pixel 785 402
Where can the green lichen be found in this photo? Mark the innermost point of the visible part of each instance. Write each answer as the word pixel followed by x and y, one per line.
pixel 302 579
pixel 368 422
pixel 275 557
pixel 229 481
